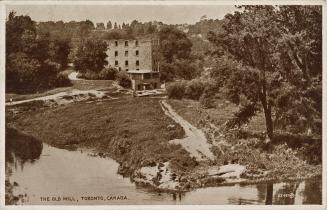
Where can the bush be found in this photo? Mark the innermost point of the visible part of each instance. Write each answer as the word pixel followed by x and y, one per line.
pixel 176 90
pixel 209 95
pixel 206 101
pixel 104 74
pixel 62 81
pixel 123 79
pixel 89 75
pixel 194 89
pixel 243 115
pixel 108 74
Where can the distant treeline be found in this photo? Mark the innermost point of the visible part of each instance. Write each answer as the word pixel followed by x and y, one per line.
pixel 203 27
pixel 84 29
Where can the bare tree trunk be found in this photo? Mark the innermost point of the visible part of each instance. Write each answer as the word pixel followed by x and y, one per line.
pixel 269 123
pixel 267 111
pixel 269 194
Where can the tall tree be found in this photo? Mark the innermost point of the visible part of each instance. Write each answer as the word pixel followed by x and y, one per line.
pixel 109 25
pixel 85 28
pixel 100 26
pixel 301 61
pixel 258 66
pixel 174 44
pixel 58 52
pixel 175 53
pixel 16 28
pixel 91 56
pixel 32 60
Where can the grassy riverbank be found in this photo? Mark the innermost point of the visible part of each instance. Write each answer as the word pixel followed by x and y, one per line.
pixel 290 157
pixel 136 133
pixel 133 131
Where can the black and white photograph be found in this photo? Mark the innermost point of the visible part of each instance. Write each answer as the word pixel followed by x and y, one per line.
pixel 162 103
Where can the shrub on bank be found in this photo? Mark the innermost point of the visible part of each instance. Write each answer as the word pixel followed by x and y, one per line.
pixel 176 90
pixel 89 75
pixel 104 74
pixel 123 79
pixel 209 95
pixel 62 81
pixel 108 74
pixel 194 89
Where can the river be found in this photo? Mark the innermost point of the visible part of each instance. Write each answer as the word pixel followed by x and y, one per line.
pixel 59 176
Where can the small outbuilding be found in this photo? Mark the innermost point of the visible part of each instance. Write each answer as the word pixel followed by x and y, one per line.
pixel 144 79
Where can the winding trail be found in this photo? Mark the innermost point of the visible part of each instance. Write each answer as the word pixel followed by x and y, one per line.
pixel 195 141
pixel 59 96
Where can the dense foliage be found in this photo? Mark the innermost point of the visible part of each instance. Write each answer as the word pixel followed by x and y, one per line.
pixel 192 89
pixel 175 52
pixel 123 79
pixel 204 26
pixel 271 57
pixel 91 56
pixel 33 60
pixel 104 74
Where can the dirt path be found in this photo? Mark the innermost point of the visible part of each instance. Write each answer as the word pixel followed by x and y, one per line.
pixel 73 76
pixel 195 141
pixel 59 97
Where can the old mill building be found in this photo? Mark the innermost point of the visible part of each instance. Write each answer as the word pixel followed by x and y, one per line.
pixel 139 58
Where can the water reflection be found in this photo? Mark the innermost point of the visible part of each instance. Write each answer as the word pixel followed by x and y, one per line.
pixel 47 171
pixel 312 192
pixel 21 147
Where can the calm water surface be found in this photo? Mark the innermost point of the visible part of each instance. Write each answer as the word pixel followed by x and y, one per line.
pixel 59 173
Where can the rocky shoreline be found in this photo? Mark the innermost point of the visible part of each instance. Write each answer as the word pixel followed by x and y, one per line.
pixel 161 178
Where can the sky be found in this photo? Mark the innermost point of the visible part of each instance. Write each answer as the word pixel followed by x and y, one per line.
pixel 169 14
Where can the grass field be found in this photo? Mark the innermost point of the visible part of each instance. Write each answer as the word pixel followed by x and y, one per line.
pixel 122 129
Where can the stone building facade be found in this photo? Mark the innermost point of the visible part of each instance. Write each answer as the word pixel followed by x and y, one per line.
pixel 139 58
pixel 140 54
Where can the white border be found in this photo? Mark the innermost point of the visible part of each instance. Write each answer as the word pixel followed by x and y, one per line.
pixel 2 102
pixel 156 2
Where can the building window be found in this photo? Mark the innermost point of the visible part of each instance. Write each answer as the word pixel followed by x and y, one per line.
pixel 137 69
pixel 136 43
pixel 116 43
pixel 116 53
pixel 116 63
pixel 126 63
pixel 126 43
pixel 137 63
pixel 126 69
pixel 137 53
pixel 126 53
pixel 147 76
